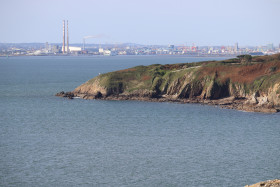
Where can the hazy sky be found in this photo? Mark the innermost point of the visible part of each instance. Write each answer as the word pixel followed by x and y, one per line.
pixel 203 22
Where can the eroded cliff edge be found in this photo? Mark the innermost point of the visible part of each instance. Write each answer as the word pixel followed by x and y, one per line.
pixel 250 85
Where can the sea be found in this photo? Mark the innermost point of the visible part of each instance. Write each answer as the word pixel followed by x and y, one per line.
pixel 52 141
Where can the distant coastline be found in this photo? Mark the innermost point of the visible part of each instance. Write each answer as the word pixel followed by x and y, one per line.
pixel 69 55
pixel 56 49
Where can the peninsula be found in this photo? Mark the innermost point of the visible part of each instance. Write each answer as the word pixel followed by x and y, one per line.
pixel 243 83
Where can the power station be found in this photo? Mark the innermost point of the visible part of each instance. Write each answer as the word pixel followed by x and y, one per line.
pixel 63 45
pixel 67 39
pixel 66 49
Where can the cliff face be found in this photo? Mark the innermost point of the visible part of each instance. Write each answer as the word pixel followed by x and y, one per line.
pixel 252 86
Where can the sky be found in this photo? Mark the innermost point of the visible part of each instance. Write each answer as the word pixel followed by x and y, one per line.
pixel 148 22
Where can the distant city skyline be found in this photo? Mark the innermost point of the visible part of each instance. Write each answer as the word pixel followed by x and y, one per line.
pixel 157 22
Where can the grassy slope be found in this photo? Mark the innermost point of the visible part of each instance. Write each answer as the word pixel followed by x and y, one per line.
pixel 260 75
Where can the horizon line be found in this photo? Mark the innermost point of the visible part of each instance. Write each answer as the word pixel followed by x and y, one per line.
pixel 129 43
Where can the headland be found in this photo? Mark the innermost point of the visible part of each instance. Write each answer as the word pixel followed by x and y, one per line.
pixel 243 83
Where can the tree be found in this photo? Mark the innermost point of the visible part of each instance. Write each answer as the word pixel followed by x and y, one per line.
pixel 245 59
pixel 248 58
pixel 240 58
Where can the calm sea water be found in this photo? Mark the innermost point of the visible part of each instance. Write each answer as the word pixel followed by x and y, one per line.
pixel 51 141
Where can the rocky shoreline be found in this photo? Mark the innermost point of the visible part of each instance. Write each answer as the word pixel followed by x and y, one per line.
pixel 229 103
pixel 269 183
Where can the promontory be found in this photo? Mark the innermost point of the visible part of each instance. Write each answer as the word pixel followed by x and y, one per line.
pixel 243 83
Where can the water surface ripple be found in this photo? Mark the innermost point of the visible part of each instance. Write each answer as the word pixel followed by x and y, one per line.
pixel 50 141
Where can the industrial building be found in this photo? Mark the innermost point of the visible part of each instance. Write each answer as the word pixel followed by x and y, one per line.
pixel 66 49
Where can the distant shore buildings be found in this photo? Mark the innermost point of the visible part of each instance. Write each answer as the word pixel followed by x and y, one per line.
pixel 64 48
pixel 56 49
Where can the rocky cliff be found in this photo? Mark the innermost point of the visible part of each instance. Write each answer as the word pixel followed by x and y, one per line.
pixel 250 86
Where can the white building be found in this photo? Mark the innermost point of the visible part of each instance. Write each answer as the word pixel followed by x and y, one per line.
pixel 101 50
pixel 109 53
pixel 73 49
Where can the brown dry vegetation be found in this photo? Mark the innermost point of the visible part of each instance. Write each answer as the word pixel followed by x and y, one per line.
pixel 243 73
pixel 145 77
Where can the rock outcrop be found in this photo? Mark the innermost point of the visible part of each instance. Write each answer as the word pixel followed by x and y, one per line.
pixel 69 95
pixel 269 183
pixel 251 87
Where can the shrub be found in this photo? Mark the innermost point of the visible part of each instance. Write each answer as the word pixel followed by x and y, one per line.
pixel 245 59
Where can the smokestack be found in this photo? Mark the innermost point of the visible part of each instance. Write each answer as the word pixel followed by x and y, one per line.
pixel 67 38
pixel 63 45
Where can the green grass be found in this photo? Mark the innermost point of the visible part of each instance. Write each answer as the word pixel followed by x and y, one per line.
pixel 157 77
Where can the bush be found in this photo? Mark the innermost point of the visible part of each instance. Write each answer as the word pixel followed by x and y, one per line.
pixel 245 59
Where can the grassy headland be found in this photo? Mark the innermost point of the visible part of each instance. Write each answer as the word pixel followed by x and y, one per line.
pixel 243 83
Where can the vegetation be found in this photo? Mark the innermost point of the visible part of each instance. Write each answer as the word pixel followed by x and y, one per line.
pixel 245 59
pixel 211 79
